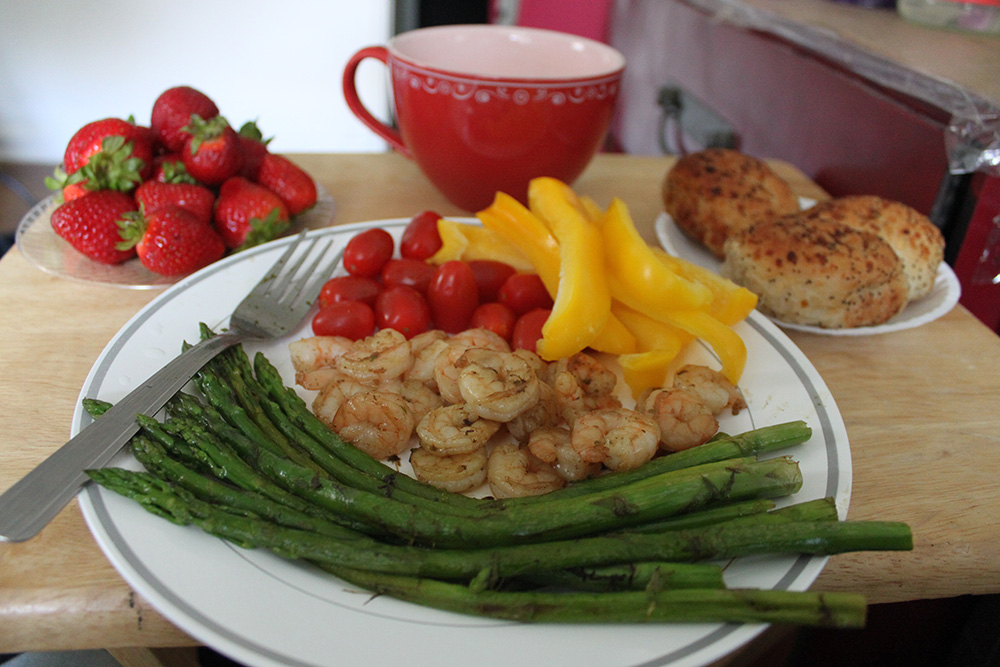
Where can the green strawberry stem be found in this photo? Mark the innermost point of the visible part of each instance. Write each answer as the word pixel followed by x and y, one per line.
pixel 262 231
pixel 203 130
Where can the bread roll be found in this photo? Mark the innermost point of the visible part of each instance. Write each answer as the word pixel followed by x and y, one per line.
pixel 717 191
pixel 917 241
pixel 817 272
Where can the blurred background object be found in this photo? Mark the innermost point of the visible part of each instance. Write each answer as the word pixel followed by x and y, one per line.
pixel 976 16
pixel 65 64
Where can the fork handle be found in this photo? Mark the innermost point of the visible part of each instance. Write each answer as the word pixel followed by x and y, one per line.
pixel 29 505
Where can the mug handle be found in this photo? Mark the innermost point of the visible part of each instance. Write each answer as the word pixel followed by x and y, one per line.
pixel 358 108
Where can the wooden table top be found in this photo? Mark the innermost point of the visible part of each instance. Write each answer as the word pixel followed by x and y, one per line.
pixel 916 405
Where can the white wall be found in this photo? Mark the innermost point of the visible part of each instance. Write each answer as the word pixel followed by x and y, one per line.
pixel 64 64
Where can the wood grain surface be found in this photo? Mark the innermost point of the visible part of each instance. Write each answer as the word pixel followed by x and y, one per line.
pixel 918 406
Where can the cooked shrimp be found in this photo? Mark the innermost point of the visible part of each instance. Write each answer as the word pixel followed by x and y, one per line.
pixel 497 385
pixel 620 438
pixel 309 354
pixel 685 420
pixel 421 397
pixel 455 429
pixel 445 372
pixel 425 348
pixel 381 357
pixel 379 423
pixel 546 412
pixel 553 445
pixel 512 471
pixel 539 365
pixel 582 383
pixel 330 397
pixel 458 473
pixel 712 387
pixel 317 379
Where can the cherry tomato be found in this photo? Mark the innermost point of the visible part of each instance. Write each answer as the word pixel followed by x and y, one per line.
pixel 490 277
pixel 524 292
pixel 528 329
pixel 351 319
pixel 367 252
pixel 452 296
pixel 349 288
pixel 420 239
pixel 404 309
pixel 415 273
pixel 496 317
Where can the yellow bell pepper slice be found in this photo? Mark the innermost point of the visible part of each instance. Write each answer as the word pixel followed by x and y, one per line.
pixel 726 343
pixel 522 228
pixel 647 370
pixel 454 242
pixel 636 275
pixel 594 212
pixel 554 201
pixel 508 218
pixel 614 338
pixel 657 346
pixel 731 303
pixel 467 242
pixel 650 334
pixel 582 304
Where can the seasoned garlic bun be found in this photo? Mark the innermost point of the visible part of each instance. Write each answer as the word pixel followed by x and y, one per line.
pixel 715 192
pixel 915 239
pixel 817 272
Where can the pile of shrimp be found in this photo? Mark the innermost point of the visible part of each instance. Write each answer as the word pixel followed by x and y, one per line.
pixel 483 413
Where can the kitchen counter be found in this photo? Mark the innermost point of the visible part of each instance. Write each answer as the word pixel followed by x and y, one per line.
pixel 944 67
pixel 917 406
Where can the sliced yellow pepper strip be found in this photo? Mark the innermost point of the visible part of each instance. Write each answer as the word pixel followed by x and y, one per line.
pixel 594 212
pixel 454 242
pixel 650 334
pixel 582 304
pixel 731 303
pixel 728 345
pixel 554 201
pixel 521 227
pixel 636 275
pixel 657 346
pixel 614 338
pixel 509 219
pixel 646 370
pixel 469 242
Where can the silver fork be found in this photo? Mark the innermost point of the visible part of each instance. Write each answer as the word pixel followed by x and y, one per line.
pixel 275 306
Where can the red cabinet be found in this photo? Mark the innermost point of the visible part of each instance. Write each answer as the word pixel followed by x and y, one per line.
pixel 815 110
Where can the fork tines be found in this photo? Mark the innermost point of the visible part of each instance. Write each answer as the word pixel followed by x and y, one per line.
pixel 292 281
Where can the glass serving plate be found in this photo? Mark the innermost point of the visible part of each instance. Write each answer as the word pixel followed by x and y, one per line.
pixel 46 250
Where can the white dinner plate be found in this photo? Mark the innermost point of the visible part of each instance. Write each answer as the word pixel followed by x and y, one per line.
pixel 262 610
pixel 941 299
pixel 46 250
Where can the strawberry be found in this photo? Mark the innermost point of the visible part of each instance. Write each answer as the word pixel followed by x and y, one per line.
pixel 109 154
pixel 69 187
pixel 169 168
pixel 198 199
pixel 285 178
pixel 247 214
pixel 90 224
pixel 253 145
pixel 171 240
pixel 91 139
pixel 212 152
pixel 172 112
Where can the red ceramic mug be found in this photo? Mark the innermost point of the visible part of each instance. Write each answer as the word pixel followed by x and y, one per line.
pixel 486 108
